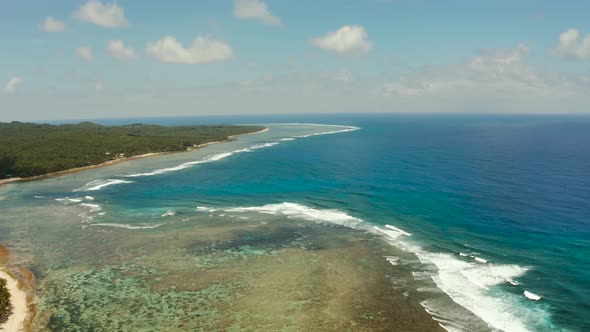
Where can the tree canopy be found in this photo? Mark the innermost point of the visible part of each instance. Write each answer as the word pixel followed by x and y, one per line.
pixel 30 149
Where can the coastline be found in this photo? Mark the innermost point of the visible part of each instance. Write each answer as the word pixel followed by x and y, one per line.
pixel 21 286
pixel 120 160
pixel 18 299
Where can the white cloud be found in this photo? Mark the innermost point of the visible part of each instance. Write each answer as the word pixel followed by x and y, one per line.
pixel 119 51
pixel 572 47
pixel 255 10
pixel 494 73
pixel 84 53
pixel 203 50
pixel 12 85
pixel 400 89
pixel 343 76
pixel 53 25
pixel 350 40
pixel 500 56
pixel 107 15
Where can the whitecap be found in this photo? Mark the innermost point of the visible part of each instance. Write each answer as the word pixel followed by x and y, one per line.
pixel 208 159
pixel 298 211
pixel 479 259
pixel 531 296
pixel 169 213
pixel 90 198
pixel 99 184
pixel 393 260
pixel 346 129
pixel 513 282
pixel 398 230
pixel 92 207
pixel 224 155
pixel 390 234
pixel 128 226
pixel 67 200
pixel 469 284
pixel 182 166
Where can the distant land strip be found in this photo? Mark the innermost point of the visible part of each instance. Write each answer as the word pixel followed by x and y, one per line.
pixel 31 151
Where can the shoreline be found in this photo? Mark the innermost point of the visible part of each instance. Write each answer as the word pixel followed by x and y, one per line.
pixel 20 285
pixel 121 160
pixel 18 299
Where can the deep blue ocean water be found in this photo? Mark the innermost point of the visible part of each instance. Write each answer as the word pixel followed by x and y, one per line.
pixel 499 205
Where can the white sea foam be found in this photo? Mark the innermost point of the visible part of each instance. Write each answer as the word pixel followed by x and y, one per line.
pixel 513 282
pixel 37 196
pixel 393 260
pixel 458 323
pixel 398 230
pixel 205 160
pixel 531 296
pixel 468 284
pixel 186 165
pixel 422 275
pixel 92 207
pixel 67 200
pixel 479 259
pixel 471 284
pixel 347 129
pixel 169 213
pixel 90 198
pixel 342 130
pixel 99 184
pixel 224 155
pixel 389 233
pixel 286 139
pixel 127 226
pixel 298 211
pixel 257 147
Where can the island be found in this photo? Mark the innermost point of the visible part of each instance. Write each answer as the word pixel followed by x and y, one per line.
pixel 30 150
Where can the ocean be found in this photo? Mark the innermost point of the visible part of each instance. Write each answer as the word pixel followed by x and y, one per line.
pixel 490 216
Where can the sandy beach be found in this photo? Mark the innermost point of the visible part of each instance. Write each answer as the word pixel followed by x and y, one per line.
pixel 19 302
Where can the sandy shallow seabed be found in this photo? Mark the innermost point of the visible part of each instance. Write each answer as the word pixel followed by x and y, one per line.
pixel 218 273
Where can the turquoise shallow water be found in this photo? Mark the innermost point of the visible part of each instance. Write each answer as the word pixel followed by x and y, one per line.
pixel 495 208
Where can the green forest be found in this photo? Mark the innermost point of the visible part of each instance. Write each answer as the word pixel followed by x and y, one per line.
pixel 5 306
pixel 29 149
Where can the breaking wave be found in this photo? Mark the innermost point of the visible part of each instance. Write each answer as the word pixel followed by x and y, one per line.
pixel 469 280
pixel 255 147
pixel 99 184
pixel 127 226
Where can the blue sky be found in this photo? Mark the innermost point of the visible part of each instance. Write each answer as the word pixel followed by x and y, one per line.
pixel 279 56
